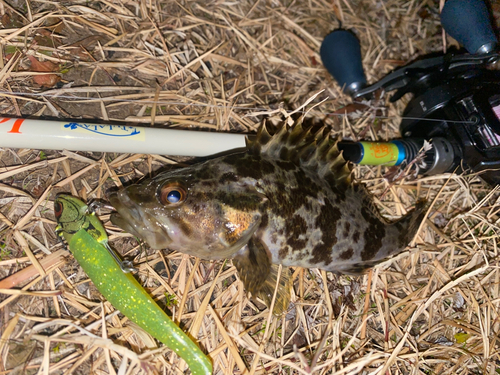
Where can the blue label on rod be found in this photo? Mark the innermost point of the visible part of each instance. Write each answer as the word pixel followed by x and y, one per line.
pixel 107 130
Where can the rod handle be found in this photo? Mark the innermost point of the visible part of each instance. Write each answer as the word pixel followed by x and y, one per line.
pixel 468 21
pixel 341 56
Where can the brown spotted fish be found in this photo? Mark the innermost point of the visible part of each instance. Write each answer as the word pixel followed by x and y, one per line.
pixel 288 200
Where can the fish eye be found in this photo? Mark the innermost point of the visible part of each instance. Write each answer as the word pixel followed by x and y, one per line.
pixel 174 196
pixel 172 193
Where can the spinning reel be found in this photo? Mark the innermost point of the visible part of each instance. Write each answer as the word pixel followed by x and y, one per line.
pixel 455 104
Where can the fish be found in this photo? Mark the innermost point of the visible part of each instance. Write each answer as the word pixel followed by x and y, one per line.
pixel 289 199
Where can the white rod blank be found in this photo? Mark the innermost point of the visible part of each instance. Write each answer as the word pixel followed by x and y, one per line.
pixel 73 136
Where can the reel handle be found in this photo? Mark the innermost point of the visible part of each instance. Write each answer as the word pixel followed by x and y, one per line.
pixel 468 21
pixel 341 56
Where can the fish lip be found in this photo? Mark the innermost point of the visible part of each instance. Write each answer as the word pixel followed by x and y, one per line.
pixel 135 216
pixel 124 207
pixel 112 197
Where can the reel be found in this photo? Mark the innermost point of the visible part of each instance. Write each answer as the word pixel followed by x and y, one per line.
pixel 455 104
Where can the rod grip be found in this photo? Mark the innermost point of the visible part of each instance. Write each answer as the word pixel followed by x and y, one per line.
pixel 468 21
pixel 341 56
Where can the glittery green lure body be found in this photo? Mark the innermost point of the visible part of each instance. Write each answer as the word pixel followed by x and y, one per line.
pixel 86 238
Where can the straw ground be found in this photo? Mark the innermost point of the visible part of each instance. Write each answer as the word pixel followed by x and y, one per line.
pixel 223 66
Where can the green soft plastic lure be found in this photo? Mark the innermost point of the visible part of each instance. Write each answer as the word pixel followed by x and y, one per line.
pixel 87 241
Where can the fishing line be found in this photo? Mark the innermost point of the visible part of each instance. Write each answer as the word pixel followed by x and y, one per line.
pixel 263 110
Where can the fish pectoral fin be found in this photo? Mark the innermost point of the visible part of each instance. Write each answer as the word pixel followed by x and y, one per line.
pixel 253 265
pixel 260 276
pixel 269 285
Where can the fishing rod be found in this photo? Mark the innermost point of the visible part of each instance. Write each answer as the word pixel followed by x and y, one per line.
pixel 80 136
pixel 456 98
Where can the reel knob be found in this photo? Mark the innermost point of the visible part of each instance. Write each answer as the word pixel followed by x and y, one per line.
pixel 341 56
pixel 468 21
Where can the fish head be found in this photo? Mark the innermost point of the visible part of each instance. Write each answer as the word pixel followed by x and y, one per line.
pixel 191 210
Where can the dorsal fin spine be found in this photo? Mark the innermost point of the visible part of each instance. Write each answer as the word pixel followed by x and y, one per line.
pixel 315 151
pixel 263 135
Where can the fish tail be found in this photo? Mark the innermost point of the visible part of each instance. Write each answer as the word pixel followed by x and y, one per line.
pixel 412 221
pixel 404 230
pixel 397 236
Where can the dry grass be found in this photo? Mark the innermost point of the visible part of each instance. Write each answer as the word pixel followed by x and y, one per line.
pixel 215 64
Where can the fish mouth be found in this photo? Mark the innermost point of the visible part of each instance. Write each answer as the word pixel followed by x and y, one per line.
pixel 134 219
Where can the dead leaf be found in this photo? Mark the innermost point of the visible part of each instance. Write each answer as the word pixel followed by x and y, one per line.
pixel 11 21
pixel 45 80
pixel 38 66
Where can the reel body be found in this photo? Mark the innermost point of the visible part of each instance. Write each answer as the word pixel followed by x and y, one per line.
pixel 455 104
pixel 463 109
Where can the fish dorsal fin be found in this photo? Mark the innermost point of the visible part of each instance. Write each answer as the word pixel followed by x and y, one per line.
pixel 254 145
pixel 312 150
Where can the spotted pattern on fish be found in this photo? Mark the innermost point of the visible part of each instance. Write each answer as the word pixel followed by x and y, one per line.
pixel 288 199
